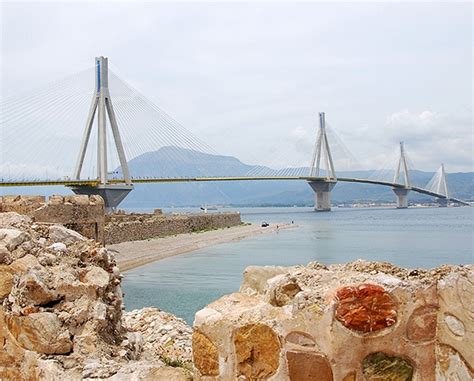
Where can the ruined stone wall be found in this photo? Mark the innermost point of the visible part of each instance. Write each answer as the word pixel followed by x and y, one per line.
pixel 354 322
pixel 135 227
pixel 61 313
pixel 84 214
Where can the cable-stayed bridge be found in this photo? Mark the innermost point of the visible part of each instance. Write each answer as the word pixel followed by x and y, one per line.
pixel 129 125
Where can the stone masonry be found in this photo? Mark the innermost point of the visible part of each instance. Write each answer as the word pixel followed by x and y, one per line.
pixel 354 322
pixel 84 214
pixel 135 227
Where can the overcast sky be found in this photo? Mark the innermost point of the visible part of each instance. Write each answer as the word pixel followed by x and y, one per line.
pixel 250 78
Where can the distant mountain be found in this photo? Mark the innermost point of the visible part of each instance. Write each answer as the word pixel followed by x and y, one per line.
pixel 178 162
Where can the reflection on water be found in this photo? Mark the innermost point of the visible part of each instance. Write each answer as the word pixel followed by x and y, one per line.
pixel 424 237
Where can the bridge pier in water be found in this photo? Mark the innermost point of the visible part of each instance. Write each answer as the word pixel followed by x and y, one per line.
pixel 442 202
pixel 322 197
pixel 402 197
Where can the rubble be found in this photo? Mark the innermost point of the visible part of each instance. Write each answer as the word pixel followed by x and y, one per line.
pixel 61 312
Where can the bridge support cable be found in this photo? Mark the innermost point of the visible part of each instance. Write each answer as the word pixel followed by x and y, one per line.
pixel 28 150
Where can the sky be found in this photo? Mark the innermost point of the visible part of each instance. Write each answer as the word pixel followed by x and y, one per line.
pixel 249 78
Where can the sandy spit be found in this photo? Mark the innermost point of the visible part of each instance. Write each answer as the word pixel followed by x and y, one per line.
pixel 138 253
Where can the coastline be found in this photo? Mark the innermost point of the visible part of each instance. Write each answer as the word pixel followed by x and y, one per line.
pixel 132 254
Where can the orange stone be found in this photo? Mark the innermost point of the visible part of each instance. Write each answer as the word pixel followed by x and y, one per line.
pixel 205 356
pixel 257 351
pixel 365 308
pixel 304 366
pixel 421 325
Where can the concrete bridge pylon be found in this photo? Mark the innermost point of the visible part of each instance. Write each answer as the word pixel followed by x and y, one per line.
pixel 402 170
pixel 442 187
pixel 322 151
pixel 101 105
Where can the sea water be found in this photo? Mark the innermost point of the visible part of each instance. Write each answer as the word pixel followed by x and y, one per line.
pixel 414 237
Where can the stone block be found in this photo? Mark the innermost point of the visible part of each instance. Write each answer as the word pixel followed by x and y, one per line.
pixel 307 366
pixel 257 351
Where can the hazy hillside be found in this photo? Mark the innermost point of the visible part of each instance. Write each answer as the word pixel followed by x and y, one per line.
pixel 173 162
pixel 187 163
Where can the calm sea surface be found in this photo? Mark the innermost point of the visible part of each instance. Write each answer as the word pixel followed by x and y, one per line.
pixel 416 237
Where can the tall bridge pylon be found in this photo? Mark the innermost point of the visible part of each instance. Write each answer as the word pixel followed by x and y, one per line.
pixel 439 185
pixel 402 169
pixel 101 105
pixel 323 187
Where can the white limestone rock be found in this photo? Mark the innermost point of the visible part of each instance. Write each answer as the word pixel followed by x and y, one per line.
pixel 58 233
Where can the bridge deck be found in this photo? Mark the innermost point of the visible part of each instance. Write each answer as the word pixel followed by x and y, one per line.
pixel 96 182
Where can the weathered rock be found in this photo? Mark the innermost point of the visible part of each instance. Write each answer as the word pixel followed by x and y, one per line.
pixel 163 334
pixel 455 325
pixel 281 290
pixel 97 277
pixel 24 264
pixel 205 356
pixel 12 238
pixel 5 257
pixel 11 219
pixel 365 308
pixel 380 366
pixel 77 199
pixel 456 313
pixel 60 306
pixel 422 324
pixel 306 366
pixel 257 351
pixel 58 233
pixel 256 277
pixel 56 199
pixel 6 281
pixel 451 366
pixel 40 332
pixel 32 289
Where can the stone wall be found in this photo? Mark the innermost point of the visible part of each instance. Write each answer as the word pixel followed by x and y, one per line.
pixel 135 227
pixel 354 322
pixel 84 214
